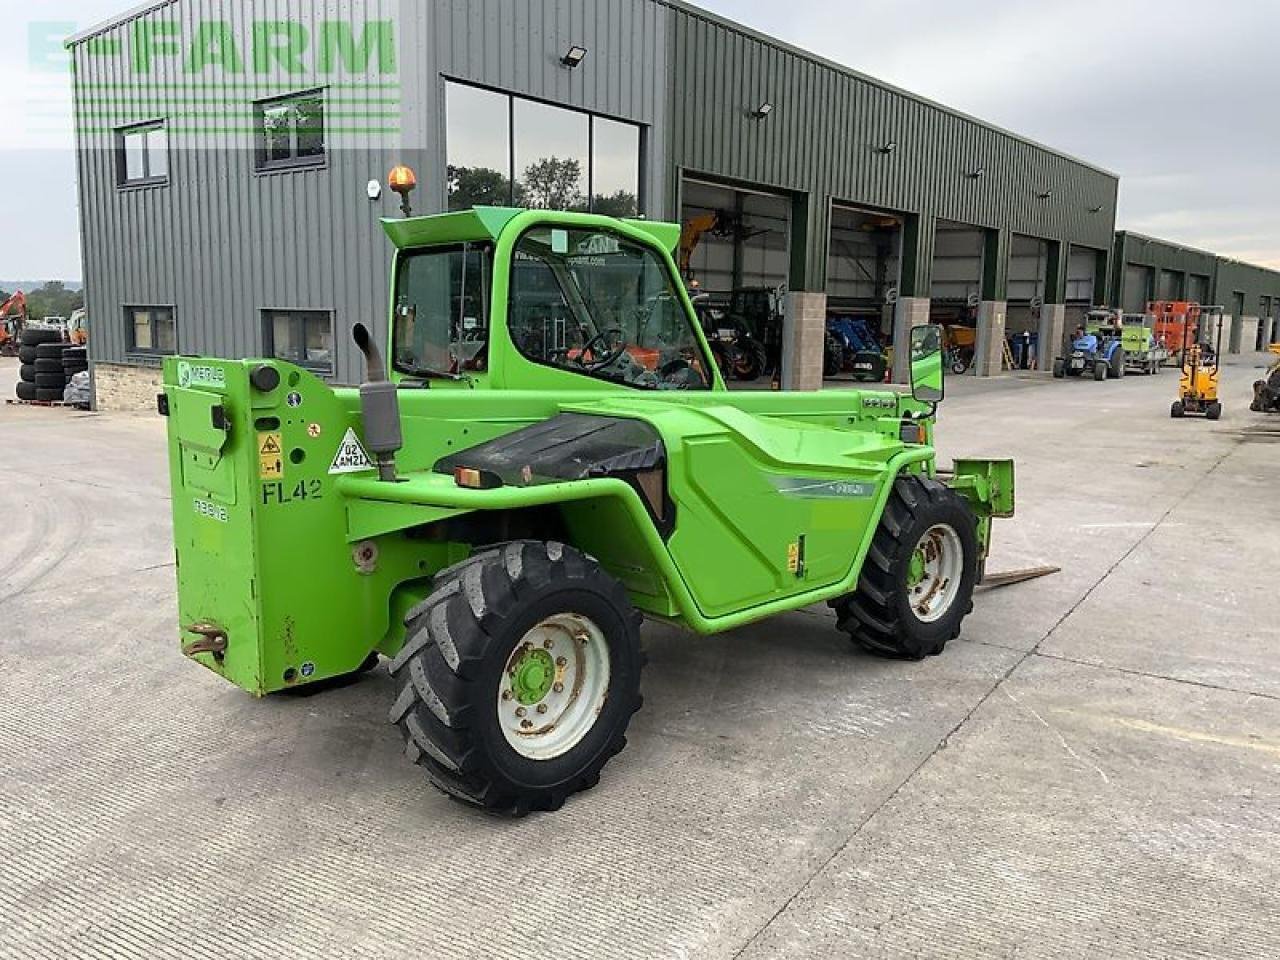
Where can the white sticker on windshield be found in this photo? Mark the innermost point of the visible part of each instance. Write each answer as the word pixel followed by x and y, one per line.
pixel 351 457
pixel 559 241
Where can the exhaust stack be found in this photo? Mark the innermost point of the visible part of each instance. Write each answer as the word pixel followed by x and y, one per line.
pixel 379 407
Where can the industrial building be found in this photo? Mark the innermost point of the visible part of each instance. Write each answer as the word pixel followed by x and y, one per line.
pixel 231 158
pixel 1148 269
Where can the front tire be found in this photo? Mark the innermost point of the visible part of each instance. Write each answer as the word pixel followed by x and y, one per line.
pixel 1060 368
pixel 1099 369
pixel 519 676
pixel 1213 411
pixel 916 585
pixel 1177 410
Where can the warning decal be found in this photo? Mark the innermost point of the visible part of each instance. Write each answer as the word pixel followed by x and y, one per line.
pixel 270 456
pixel 351 457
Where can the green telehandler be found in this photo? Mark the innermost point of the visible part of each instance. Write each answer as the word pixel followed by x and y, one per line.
pixel 546 456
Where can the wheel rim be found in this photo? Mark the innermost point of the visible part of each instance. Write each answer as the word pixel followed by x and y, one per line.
pixel 554 686
pixel 934 573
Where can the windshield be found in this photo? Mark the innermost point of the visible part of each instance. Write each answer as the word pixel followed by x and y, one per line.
pixel 594 303
pixel 442 311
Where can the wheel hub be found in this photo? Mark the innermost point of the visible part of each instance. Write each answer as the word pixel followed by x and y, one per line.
pixel 554 686
pixel 535 672
pixel 934 573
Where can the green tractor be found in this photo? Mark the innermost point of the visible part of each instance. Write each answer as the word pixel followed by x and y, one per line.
pixel 547 457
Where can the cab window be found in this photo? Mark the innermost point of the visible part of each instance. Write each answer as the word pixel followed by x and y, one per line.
pixel 596 304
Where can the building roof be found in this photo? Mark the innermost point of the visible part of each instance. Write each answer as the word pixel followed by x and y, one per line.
pixel 118 20
pixel 753 34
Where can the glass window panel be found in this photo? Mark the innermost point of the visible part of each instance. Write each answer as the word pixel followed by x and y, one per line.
pixel 479 147
pixel 282 336
pixel 615 170
pixel 142 330
pixel 157 140
pixel 135 158
pixel 277 135
pixel 600 306
pixel 442 311
pixel 318 334
pixel 309 116
pixel 166 339
pixel 552 146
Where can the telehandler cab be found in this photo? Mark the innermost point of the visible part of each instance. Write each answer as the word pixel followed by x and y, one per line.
pixel 547 457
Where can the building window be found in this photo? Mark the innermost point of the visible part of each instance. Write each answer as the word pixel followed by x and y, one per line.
pixel 291 131
pixel 151 330
pixel 304 337
pixel 508 151
pixel 142 155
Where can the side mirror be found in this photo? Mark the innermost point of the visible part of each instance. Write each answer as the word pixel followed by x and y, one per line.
pixel 927 384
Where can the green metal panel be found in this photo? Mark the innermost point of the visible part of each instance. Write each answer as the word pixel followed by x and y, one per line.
pixel 1055 280
pixel 1252 282
pixel 1158 257
pixel 995 264
pixel 828 127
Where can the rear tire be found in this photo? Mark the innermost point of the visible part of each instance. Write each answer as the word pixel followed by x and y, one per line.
pixel 1213 411
pixel 1177 410
pixel 890 614
pixel 482 645
pixel 1099 370
pixel 1060 369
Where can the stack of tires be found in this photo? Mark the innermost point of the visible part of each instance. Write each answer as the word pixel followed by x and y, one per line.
pixel 44 370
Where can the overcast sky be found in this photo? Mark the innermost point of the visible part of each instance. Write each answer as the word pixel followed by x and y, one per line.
pixel 1178 97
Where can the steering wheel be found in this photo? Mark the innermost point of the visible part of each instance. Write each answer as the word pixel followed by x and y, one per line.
pixel 601 340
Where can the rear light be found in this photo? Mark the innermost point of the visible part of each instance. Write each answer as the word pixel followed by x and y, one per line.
pixel 472 479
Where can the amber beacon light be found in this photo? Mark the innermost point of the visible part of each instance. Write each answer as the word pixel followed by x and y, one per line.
pixel 403 180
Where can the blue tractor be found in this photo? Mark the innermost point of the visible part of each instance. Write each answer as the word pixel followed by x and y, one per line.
pixel 1100 353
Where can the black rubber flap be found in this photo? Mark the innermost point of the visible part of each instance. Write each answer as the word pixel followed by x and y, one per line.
pixel 570 446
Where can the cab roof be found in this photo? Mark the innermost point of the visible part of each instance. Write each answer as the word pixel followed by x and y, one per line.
pixel 488 223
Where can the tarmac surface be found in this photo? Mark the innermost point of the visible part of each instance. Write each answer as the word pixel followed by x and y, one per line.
pixel 1091 770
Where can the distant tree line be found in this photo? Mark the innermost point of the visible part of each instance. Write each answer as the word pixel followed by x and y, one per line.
pixel 51 300
pixel 548 184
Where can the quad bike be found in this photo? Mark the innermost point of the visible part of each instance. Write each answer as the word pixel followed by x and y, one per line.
pixel 500 529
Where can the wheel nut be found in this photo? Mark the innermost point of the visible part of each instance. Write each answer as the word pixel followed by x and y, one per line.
pixel 583 639
pixel 546 644
pixel 506 694
pixel 526 724
pixel 521 711
pixel 542 708
pixel 561 662
pixel 558 688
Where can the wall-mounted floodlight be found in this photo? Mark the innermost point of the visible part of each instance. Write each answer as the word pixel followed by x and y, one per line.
pixel 1045 194
pixel 977 174
pixel 574 57
pixel 889 147
pixel 763 110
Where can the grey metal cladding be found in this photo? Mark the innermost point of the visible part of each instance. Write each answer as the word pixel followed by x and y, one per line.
pixel 828 122
pixel 222 241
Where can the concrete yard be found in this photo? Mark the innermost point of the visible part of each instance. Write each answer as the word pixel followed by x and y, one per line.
pixel 1092 770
